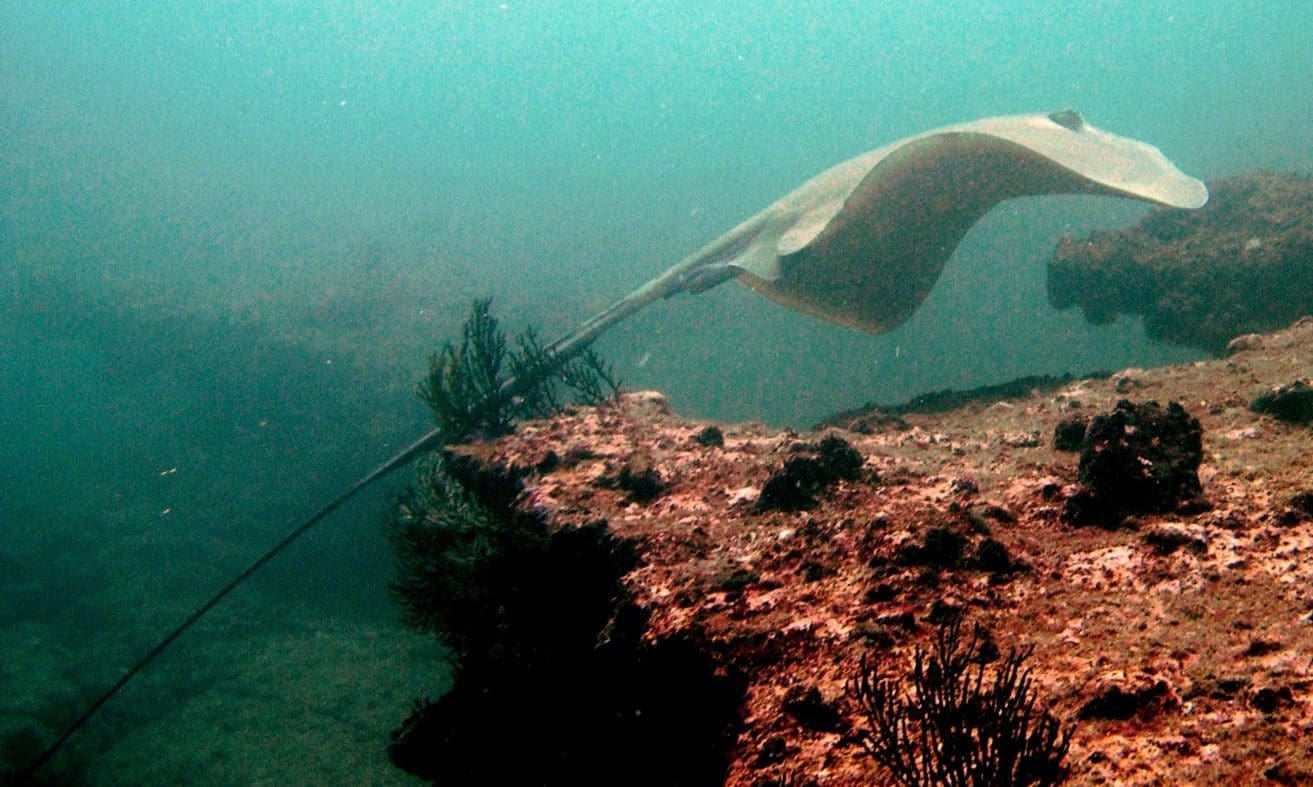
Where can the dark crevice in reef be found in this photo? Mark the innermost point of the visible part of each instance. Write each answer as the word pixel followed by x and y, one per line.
pixel 650 716
pixel 554 683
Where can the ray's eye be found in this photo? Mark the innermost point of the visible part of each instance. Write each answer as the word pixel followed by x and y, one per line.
pixel 1068 118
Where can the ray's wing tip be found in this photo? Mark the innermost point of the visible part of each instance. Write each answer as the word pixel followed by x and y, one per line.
pixel 1184 192
pixel 1199 195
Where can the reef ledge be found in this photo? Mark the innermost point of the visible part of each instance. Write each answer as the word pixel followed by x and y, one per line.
pixel 1193 618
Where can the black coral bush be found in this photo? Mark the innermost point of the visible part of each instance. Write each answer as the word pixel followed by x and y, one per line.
pixel 481 387
pixel 458 563
pixel 463 387
pixel 553 681
pixel 955 727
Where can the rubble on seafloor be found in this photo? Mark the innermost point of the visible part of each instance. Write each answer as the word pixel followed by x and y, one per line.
pixel 1242 263
pixel 1177 638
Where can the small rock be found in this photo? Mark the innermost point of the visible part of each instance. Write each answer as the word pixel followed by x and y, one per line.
pixel 1292 403
pixel 639 478
pixel 879 594
pixel 1127 380
pixel 711 437
pixel 1021 439
pixel 964 486
pixel 1228 688
pixel 840 458
pixel 1269 699
pixel 992 556
pixel 548 463
pixel 1286 774
pixel 1168 537
pixel 811 710
pixel 875 421
pixel 874 634
pixel 980 514
pixel 902 620
pixel 653 399
pixel 794 487
pixel 942 548
pixel 577 454
pixel 813 571
pixel 1261 647
pixel 1244 343
pixel 1136 459
pixel 1069 434
pixel 943 613
pixel 1302 504
pixel 1116 703
pixel 736 580
pixel 1244 433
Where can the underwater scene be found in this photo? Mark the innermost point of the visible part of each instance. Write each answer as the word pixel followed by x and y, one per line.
pixel 251 251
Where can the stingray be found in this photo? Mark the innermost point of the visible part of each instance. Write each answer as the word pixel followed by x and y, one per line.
pixel 860 244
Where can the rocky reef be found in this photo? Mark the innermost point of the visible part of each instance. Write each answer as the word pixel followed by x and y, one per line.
pixel 759 572
pixel 1242 263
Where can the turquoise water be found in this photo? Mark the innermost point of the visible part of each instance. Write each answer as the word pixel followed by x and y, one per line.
pixel 230 234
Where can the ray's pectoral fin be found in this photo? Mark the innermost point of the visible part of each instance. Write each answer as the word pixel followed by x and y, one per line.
pixel 863 243
pixel 870 263
pixel 805 230
pixel 868 259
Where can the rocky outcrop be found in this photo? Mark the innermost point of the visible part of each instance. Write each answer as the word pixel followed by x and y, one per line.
pixel 1178 644
pixel 1242 263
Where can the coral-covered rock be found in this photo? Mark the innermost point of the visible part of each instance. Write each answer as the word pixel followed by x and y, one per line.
pixel 1185 640
pixel 1242 263
pixel 1139 458
pixel 809 472
pixel 1292 402
pixel 1120 703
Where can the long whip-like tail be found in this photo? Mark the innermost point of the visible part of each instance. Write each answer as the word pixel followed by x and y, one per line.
pixel 420 446
pixel 558 353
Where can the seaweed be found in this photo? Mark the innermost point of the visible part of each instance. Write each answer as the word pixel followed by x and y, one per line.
pixel 590 378
pixel 454 556
pixel 490 581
